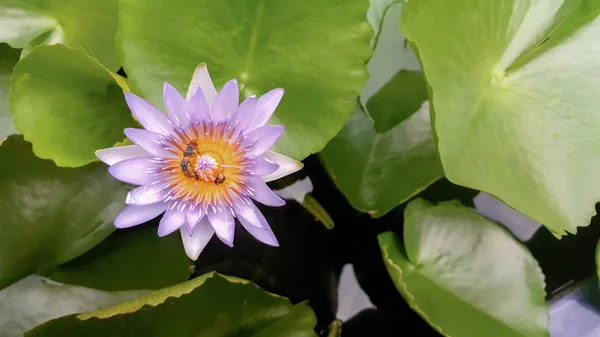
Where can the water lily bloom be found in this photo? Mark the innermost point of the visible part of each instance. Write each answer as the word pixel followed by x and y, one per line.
pixel 203 164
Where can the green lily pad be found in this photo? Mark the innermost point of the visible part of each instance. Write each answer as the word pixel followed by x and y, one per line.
pixel 211 305
pixel 8 59
pixel 131 259
pixel 316 50
pixel 516 95
pixel 35 300
pixel 91 24
pixel 465 275
pixel 67 105
pixel 50 215
pixel 392 57
pixel 378 171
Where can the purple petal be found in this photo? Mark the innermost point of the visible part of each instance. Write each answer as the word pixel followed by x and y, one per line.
pixel 148 194
pixel 149 141
pixel 170 222
pixel 137 171
pixel 261 139
pixel 245 113
pixel 226 103
pixel 248 212
pixel 202 79
pixel 114 155
pixel 191 219
pixel 224 225
pixel 177 106
pixel 287 166
pixel 265 235
pixel 265 107
pixel 148 115
pixel 195 243
pixel 135 215
pixel 263 194
pixel 261 166
pixel 198 106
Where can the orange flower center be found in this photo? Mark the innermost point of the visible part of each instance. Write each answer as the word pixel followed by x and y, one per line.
pixel 210 168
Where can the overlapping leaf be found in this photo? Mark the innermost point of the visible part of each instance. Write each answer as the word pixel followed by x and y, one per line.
pixel 516 95
pixel 91 24
pixel 211 305
pixel 465 275
pixel 49 214
pixel 378 171
pixel 67 105
pixel 35 300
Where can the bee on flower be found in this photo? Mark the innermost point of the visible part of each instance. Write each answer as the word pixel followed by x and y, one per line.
pixel 203 165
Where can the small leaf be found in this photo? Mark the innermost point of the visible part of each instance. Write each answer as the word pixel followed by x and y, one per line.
pixel 515 89
pixel 212 305
pixel 35 300
pixel 378 171
pixel 464 274
pixel 67 105
pixel 8 59
pixel 91 24
pixel 315 49
pixel 133 259
pixel 50 215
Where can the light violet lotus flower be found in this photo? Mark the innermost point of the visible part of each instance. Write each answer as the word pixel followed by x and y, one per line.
pixel 203 164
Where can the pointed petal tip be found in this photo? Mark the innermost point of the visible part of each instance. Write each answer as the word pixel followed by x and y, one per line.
pixel 280 204
pixel 113 155
pixel 194 244
pixel 192 257
pixel 100 154
pixel 130 98
pixel 231 84
pixel 127 131
pixel 286 164
pixel 135 215
pixel 201 77
pixel 168 87
pixel 129 200
pixel 162 232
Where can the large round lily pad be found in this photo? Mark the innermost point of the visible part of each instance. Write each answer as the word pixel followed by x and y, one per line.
pixel 315 49
pixel 515 88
